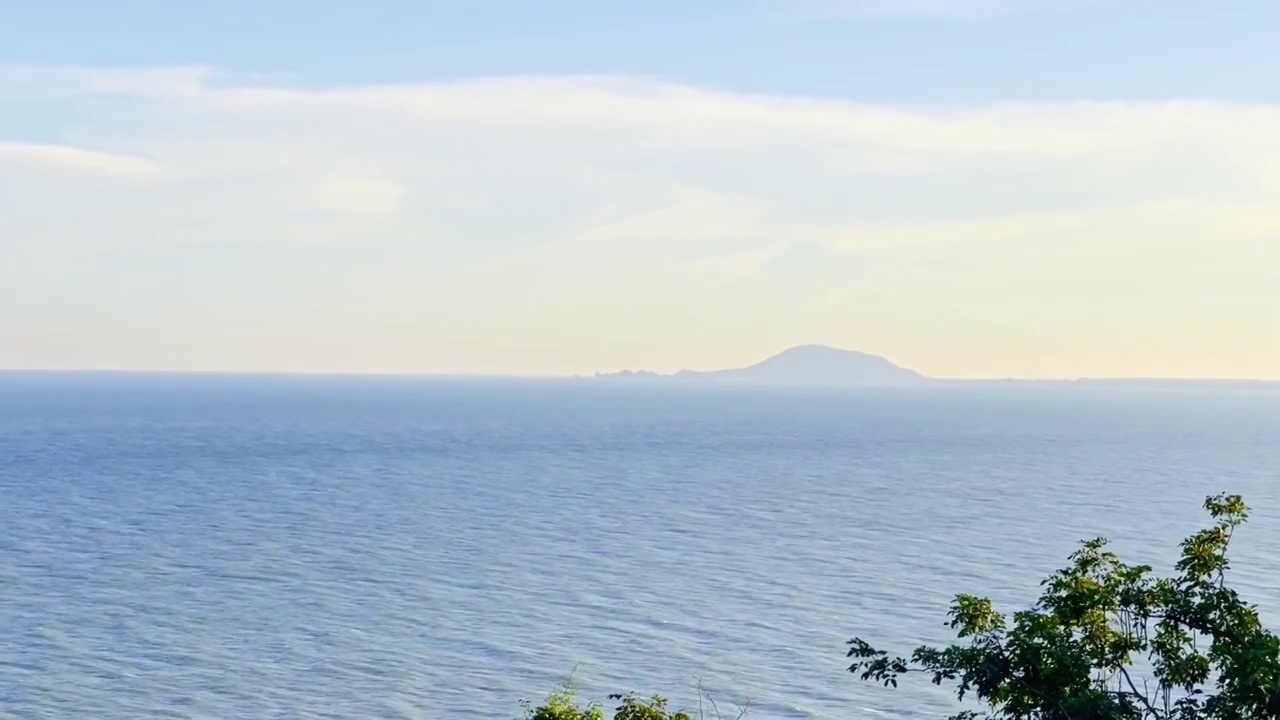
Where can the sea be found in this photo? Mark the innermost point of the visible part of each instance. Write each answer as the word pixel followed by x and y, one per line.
pixel 259 546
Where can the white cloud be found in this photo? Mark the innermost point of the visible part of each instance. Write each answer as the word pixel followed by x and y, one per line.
pixel 595 212
pixel 358 195
pixel 61 158
pixel 51 83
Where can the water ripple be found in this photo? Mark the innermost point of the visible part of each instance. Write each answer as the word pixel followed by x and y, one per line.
pixel 215 547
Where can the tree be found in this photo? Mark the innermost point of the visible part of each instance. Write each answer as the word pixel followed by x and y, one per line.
pixel 562 704
pixel 1072 655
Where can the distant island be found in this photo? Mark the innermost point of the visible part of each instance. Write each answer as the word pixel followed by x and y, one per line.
pixel 802 365
pixel 821 365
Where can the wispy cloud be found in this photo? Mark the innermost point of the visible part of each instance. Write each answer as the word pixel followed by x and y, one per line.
pixel 75 160
pixel 25 83
pixel 596 213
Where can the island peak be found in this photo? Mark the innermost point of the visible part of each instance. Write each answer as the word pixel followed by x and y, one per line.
pixel 810 364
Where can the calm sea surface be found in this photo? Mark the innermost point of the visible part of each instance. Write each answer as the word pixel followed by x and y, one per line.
pixel 321 547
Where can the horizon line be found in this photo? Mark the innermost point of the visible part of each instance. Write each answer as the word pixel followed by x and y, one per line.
pixel 447 375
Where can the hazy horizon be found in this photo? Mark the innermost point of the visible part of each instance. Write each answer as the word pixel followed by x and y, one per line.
pixel 613 373
pixel 973 189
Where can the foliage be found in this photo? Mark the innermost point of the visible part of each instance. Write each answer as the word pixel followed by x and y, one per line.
pixel 1072 655
pixel 561 704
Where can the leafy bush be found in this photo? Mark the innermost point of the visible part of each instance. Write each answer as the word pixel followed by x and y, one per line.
pixel 562 704
pixel 1071 656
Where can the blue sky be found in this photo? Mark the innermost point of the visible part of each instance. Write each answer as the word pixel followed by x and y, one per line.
pixel 976 188
pixel 913 50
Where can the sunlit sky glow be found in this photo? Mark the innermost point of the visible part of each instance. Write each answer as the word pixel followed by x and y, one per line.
pixel 972 188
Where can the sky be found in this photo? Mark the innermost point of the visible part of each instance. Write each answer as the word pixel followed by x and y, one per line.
pixel 970 188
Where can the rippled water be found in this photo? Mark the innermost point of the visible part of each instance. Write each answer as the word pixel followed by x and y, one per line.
pixel 312 547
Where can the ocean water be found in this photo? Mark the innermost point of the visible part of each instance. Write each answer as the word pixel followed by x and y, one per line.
pixel 189 546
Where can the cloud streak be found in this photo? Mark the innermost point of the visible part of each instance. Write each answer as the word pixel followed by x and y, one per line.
pixel 74 160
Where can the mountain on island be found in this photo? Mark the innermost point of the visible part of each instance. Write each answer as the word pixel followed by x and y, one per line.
pixel 802 365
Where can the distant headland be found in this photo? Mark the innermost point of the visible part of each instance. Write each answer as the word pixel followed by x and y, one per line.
pixel 822 365
pixel 801 365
